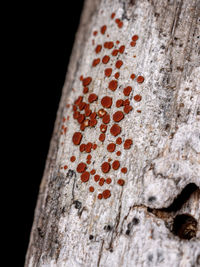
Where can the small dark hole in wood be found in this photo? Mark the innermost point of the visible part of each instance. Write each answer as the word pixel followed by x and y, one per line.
pixel 185 226
pixel 91 237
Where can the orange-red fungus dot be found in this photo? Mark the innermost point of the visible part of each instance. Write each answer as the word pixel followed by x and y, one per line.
pixel 114 52
pixel 128 143
pixel 94 146
pixel 139 111
pixel 121 49
pixel 91 189
pixel 105 59
pixel 93 171
pixel 103 128
pixel 89 157
pixel 108 72
pixel 120 24
pixel 106 194
pixel 92 98
pixel 121 182
pixel 113 85
pixel 93 115
pixel 112 15
pixel 116 165
pixel 133 43
pixel 109 160
pixel 117 75
pixel 95 33
pixel 140 79
pixel 88 112
pixel 88 147
pixel 127 90
pixel 96 178
pixel 101 113
pixel 73 158
pixel 118 141
pixel 118 116
pixel 106 119
pixel 102 137
pixel 100 196
pixel 78 100
pixel 82 147
pixel 81 118
pixel 137 98
pixel 126 102
pixel 65 167
pixel 119 103
pixel 103 29
pixel 85 177
pixel 108 45
pixel 118 64
pixel 132 76
pixel 127 109
pixel 108 180
pixel 98 49
pixel 124 170
pixel 101 181
pixel 135 37
pixel 118 153
pixel 95 62
pixel 81 78
pixel 76 139
pixel 106 102
pixel 111 147
pixel 82 105
pixel 81 167
pixel 115 130
pixel 85 90
pixel 105 167
pixel 87 81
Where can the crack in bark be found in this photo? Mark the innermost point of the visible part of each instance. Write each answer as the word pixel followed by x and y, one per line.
pixel 100 254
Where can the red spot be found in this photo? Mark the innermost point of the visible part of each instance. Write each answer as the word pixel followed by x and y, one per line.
pixel 117 75
pixel 85 90
pixel 116 165
pixel 108 45
pixel 93 115
pixel 127 109
pixel 101 113
pixel 121 182
pixel 108 180
pixel 135 37
pixel 73 158
pixel 82 105
pixel 96 178
pixel 85 177
pixel 82 147
pixel 111 147
pixel 105 59
pixel 127 90
pixel 121 49
pixel 105 167
pixel 132 76
pixel 101 181
pixel 103 29
pixel 119 103
pixel 124 170
pixel 81 118
pixel 112 15
pixel 81 78
pixel 118 141
pixel 118 64
pixel 87 81
pixel 137 98
pixel 81 167
pixel 98 49
pixel 109 160
pixel 100 196
pixel 95 33
pixel 118 116
pixel 94 146
pixel 117 42
pixel 93 171
pixel 126 102
pixel 106 119
pixel 120 24
pixel 118 153
pixel 89 157
pixel 106 194
pixel 95 62
pixel 91 189
pixel 128 143
pixel 88 147
pixel 88 112
pixel 102 137
pixel 92 98
pixel 93 122
pixel 65 167
pixel 113 85
pixel 106 102
pixel 140 79
pixel 133 43
pixel 78 100
pixel 108 72
pixel 114 52
pixel 76 139
pixel 103 128
pixel 115 130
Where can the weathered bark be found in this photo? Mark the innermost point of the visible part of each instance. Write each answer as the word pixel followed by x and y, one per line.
pixel 138 224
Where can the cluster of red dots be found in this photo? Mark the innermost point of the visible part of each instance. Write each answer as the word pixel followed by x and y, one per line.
pixel 87 116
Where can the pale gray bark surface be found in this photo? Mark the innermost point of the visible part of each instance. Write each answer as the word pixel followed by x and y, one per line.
pixel 71 226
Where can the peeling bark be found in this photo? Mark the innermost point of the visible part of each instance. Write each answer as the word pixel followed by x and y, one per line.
pixel 154 219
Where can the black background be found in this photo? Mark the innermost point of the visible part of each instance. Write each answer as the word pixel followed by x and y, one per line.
pixel 40 43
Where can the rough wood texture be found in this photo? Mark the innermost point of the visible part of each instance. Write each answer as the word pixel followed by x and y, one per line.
pixel 138 225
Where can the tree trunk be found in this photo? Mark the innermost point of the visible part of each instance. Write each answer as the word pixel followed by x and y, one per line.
pixel 144 56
